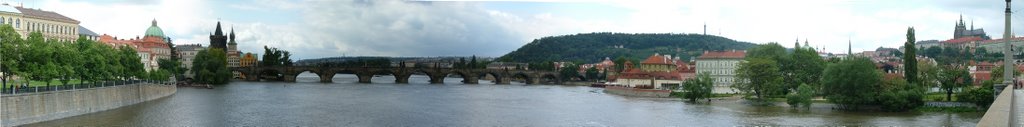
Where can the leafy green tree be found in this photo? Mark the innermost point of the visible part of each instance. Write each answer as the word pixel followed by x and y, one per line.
pixel 620 63
pixel 271 57
pixel 592 74
pixel 802 97
pixel 953 79
pixel 760 77
pixel 131 62
pixel 698 87
pixel 910 58
pixel 210 67
pixel 787 69
pixel 173 67
pixel 997 74
pixel 807 68
pixel 928 75
pixel 11 60
pixel 473 63
pixel 897 95
pixel 851 83
pixel 38 58
pixel 67 58
pixel 569 71
pixel 981 96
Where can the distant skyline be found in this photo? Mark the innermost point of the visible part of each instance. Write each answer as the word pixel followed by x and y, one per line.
pixel 315 29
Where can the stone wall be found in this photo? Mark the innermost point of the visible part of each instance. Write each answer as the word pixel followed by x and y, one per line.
pixel 636 92
pixel 28 108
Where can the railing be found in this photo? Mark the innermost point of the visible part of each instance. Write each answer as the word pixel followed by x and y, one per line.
pixel 24 88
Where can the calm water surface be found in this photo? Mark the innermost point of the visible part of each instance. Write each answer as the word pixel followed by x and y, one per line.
pixel 346 103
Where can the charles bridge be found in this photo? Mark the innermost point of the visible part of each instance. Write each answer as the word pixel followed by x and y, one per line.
pixel 402 74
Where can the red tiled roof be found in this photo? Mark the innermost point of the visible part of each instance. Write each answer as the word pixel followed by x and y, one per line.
pixel 963 40
pixel 1001 40
pixel 723 54
pixel 657 59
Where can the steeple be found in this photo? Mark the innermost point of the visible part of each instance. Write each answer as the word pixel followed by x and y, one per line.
pixel 218 31
pixel 232 34
pixel 154 22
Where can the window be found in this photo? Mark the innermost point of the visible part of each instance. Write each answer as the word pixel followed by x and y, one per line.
pixel 2 20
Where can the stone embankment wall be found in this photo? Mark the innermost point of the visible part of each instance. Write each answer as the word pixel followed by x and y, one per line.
pixel 19 109
pixel 637 92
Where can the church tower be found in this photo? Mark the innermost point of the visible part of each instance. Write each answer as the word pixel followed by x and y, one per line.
pixel 232 46
pixel 961 28
pixel 217 39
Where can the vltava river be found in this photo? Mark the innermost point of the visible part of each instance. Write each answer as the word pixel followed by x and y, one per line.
pixel 346 103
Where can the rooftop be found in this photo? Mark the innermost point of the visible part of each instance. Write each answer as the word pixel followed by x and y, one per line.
pixel 732 54
pixel 84 31
pixel 963 40
pixel 29 12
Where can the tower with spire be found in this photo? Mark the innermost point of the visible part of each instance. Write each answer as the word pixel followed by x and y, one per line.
pixel 218 39
pixel 961 30
pixel 233 55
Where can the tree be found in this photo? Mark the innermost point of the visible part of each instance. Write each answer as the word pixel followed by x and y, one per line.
pixel 760 77
pixel 952 79
pixel 928 75
pixel 910 58
pixel 808 70
pixel 592 74
pixel 851 83
pixel 981 96
pixel 780 58
pixel 997 74
pixel 897 95
pixel 130 61
pixel 569 71
pixel 802 97
pixel 473 63
pixel 620 63
pixel 210 67
pixel 698 87
pixel 10 62
pixel 173 67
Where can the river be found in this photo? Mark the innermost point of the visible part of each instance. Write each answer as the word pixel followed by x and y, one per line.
pixel 383 103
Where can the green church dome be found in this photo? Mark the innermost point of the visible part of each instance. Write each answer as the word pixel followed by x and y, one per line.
pixel 155 30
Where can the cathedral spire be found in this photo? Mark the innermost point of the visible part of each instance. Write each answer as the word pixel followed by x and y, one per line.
pixel 972 24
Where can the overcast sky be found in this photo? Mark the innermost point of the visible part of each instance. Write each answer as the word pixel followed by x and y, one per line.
pixel 314 29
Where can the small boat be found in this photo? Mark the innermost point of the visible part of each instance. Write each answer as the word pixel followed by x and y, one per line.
pixel 599 84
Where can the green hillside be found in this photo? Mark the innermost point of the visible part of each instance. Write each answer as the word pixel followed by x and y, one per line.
pixel 592 47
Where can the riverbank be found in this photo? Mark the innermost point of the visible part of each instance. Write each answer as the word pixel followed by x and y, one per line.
pixel 19 109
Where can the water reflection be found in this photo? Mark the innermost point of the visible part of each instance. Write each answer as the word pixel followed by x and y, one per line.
pixel 346 103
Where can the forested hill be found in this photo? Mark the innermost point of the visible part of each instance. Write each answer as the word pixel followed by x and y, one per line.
pixel 592 47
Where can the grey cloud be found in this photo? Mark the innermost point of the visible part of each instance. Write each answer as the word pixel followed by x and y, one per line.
pixel 395 28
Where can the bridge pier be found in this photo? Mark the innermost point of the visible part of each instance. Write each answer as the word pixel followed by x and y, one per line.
pixel 252 77
pixel 289 78
pixel 532 81
pixel 470 80
pixel 364 78
pixel 326 78
pixel 437 79
pixel 503 81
